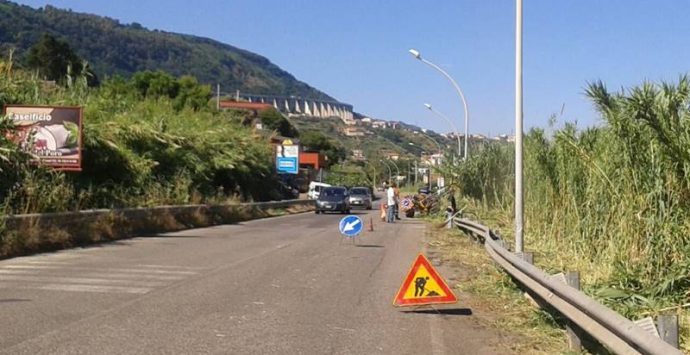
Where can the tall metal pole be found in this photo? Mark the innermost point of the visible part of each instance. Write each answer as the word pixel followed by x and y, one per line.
pixel 396 168
pixel 217 96
pixel 417 55
pixel 518 129
pixel 390 171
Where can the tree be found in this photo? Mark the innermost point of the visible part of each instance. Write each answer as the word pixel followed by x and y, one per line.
pixel 314 140
pixel 54 60
pixel 274 120
pixel 156 84
pixel 191 93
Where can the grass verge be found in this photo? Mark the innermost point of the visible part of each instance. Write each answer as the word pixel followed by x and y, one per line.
pixel 501 303
pixel 41 233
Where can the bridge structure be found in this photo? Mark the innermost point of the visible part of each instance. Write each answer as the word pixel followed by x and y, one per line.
pixel 298 106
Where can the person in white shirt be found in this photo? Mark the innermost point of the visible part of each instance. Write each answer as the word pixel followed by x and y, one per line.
pixel 391 201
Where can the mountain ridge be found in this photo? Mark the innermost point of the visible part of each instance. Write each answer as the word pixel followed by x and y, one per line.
pixel 113 48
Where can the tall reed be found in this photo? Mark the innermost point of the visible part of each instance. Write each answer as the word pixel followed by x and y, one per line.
pixel 612 199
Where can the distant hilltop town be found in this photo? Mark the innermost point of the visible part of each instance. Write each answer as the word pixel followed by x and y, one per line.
pixel 358 127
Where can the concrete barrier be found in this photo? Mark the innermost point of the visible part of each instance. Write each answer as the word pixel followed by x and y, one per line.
pixel 30 233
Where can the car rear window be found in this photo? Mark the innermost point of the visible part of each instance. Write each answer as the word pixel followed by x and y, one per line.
pixel 359 192
pixel 332 192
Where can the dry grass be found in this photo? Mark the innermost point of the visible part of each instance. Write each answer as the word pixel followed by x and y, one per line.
pixel 38 235
pixel 533 330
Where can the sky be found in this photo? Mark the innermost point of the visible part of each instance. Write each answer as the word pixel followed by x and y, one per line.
pixel 357 50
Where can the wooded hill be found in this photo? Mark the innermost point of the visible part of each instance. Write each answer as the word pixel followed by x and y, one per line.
pixel 114 48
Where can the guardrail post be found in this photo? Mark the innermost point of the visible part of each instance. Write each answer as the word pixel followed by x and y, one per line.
pixel 667 324
pixel 449 216
pixel 501 242
pixel 572 278
pixel 527 256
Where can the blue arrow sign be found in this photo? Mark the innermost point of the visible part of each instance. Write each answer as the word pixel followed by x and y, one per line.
pixel 350 226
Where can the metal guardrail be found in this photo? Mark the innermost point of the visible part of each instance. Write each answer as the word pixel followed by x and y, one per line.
pixel 612 330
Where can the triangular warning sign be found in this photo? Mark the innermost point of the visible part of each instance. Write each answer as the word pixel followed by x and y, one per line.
pixel 423 285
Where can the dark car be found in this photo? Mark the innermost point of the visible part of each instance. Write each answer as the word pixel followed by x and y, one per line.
pixel 424 190
pixel 333 199
pixel 360 197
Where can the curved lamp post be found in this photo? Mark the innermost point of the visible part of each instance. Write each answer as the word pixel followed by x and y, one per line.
pixel 415 53
pixel 390 171
pixel 396 168
pixel 452 125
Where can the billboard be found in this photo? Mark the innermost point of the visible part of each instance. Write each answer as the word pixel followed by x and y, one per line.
pixel 51 133
pixel 287 157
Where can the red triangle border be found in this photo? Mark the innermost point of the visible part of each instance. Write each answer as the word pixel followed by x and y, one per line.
pixel 422 260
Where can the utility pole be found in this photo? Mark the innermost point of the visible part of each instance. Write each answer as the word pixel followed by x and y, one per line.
pixel 218 97
pixel 416 169
pixel 518 129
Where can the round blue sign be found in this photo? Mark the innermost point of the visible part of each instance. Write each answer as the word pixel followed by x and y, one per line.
pixel 350 226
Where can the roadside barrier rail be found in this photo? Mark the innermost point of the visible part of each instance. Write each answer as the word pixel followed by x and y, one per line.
pixel 30 233
pixel 611 329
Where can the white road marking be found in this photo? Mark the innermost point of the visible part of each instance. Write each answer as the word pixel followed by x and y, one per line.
pixel 132 276
pixel 78 288
pixel 58 276
pixel 42 262
pixel 91 288
pixel 47 267
pixel 79 280
pixel 16 272
pixel 170 267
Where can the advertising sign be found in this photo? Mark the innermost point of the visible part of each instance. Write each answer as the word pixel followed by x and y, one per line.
pixel 51 133
pixel 287 157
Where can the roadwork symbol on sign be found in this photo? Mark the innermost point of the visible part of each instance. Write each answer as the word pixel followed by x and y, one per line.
pixel 423 285
pixel 350 226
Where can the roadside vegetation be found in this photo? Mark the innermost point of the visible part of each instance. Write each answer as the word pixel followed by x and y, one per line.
pixel 611 201
pixel 149 140
pixel 494 298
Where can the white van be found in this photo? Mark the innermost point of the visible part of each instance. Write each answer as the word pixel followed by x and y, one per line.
pixel 315 189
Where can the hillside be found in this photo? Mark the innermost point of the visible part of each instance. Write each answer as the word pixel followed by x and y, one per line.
pixel 378 141
pixel 114 48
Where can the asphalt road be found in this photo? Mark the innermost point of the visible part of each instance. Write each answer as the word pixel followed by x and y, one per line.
pixel 286 285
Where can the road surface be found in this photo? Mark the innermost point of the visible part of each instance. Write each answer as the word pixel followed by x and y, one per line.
pixel 285 285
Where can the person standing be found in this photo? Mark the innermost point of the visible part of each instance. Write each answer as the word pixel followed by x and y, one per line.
pixel 390 201
pixel 397 202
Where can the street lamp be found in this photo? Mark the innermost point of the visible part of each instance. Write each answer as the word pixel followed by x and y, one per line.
pixel 415 53
pixel 390 172
pixel 396 168
pixel 518 129
pixel 452 125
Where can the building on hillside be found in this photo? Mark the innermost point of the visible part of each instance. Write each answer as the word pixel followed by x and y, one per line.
pixel 504 138
pixel 349 121
pixel 432 159
pixel 311 160
pixel 241 105
pixel 388 154
pixel 477 138
pixel 393 124
pixel 358 154
pixel 367 120
pixel 378 124
pixel 354 132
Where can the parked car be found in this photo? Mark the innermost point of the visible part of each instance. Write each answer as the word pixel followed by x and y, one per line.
pixel 315 189
pixel 360 197
pixel 333 199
